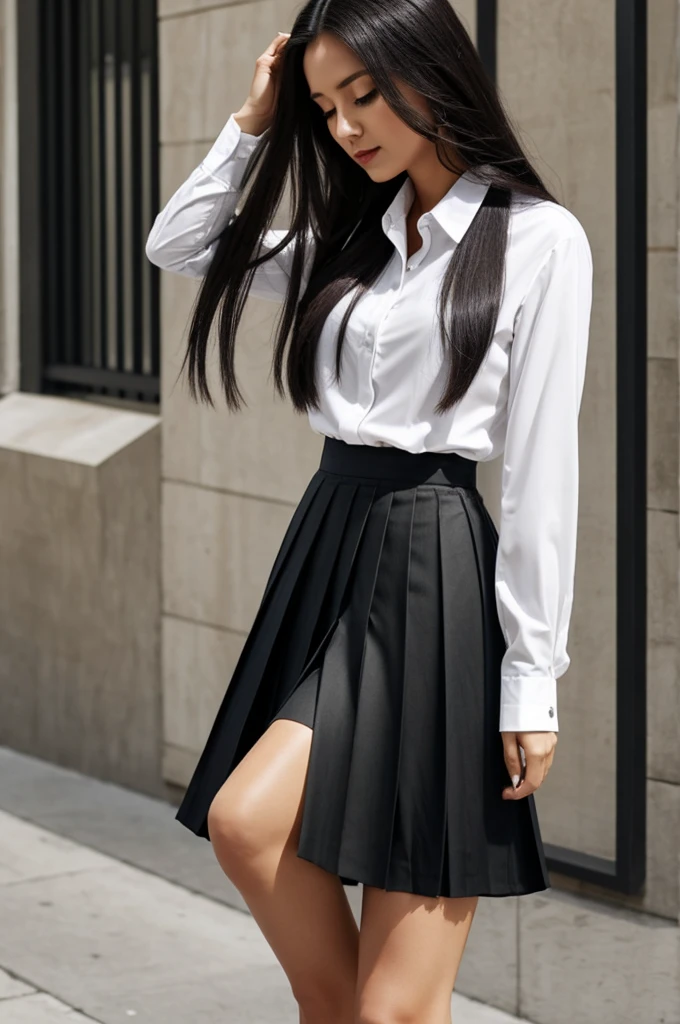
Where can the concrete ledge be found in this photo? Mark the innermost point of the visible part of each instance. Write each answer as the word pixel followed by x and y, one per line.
pixel 80 586
pixel 66 429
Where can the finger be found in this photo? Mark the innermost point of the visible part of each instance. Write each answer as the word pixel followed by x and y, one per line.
pixel 513 762
pixel 511 754
pixel 275 43
pixel 533 777
pixel 535 772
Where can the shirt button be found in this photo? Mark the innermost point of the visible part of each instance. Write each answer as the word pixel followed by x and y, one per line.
pixel 551 712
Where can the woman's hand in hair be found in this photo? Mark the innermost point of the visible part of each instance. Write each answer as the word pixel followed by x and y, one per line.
pixel 257 112
pixel 539 750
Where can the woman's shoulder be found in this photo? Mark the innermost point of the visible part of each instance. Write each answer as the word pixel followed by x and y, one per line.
pixel 541 224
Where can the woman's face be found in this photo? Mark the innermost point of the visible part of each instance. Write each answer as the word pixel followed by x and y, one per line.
pixel 357 115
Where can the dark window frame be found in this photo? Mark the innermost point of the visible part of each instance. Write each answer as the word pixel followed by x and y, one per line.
pixel 88 329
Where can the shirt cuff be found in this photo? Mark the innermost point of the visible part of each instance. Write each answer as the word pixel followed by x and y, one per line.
pixel 230 153
pixel 528 704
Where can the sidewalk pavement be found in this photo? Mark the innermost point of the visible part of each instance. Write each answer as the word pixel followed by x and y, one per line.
pixel 110 911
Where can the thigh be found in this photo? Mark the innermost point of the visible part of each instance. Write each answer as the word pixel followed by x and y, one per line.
pixel 302 910
pixel 259 806
pixel 410 948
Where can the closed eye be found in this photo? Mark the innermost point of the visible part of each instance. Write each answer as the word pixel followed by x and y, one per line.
pixel 361 101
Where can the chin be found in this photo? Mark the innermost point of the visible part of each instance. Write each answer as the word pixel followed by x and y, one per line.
pixel 382 173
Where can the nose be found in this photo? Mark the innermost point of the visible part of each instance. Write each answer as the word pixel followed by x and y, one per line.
pixel 344 128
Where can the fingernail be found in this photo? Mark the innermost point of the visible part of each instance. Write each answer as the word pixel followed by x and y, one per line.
pixel 515 781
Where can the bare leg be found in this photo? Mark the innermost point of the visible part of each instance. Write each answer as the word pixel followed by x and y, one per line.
pixel 410 949
pixel 302 910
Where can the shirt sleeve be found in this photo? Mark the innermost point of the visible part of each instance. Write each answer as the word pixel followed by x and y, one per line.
pixel 186 232
pixel 536 554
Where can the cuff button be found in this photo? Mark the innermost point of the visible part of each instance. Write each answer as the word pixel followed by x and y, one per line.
pixel 551 712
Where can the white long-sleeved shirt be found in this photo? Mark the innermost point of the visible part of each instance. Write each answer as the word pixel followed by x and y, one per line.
pixel 523 403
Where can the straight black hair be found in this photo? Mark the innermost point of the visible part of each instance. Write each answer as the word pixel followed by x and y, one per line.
pixel 337 208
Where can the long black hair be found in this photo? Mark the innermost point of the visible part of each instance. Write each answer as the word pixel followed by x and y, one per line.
pixel 424 43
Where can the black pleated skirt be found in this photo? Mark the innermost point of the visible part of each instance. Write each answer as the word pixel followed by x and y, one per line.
pixel 378 628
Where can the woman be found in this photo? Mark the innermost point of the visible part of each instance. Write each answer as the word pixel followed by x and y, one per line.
pixel 403 660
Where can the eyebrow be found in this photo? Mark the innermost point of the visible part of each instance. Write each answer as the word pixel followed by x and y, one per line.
pixel 345 81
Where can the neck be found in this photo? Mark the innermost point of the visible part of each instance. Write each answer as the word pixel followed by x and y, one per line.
pixel 431 181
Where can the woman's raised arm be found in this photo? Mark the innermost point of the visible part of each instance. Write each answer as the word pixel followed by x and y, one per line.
pixel 186 232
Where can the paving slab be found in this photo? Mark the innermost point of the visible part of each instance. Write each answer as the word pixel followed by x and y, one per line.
pixel 39 1009
pixel 11 987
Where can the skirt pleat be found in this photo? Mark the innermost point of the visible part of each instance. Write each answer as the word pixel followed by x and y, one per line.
pixel 381 598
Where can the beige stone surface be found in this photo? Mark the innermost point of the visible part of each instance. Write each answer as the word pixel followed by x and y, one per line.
pixel 662 437
pixel 662 303
pixel 175 8
pixel 467 12
pixel 178 764
pixel 199 88
pixel 661 895
pixel 663 620
pixel 218 551
pixel 69 429
pixel 584 961
pixel 662 129
pixel 490 965
pixel 80 599
pixel 11 988
pixel 663 711
pixel 198 663
pixel 40 1009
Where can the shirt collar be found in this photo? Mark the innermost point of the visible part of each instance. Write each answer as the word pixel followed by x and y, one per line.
pixel 454 211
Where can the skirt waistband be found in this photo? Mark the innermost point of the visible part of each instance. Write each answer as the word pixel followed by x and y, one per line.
pixel 390 463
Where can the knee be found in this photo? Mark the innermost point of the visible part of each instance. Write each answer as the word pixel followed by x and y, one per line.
pixel 387 1011
pixel 321 1003
pixel 231 829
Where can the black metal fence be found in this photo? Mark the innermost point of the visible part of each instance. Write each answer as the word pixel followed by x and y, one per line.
pixel 97 82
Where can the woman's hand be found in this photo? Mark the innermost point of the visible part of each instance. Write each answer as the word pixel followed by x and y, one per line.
pixel 257 112
pixel 539 748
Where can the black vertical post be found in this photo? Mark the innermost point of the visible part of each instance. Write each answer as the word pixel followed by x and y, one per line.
pixel 68 159
pixel 487 34
pixel 85 115
pixel 631 426
pixel 31 157
pixel 53 192
pixel 118 190
pixel 100 212
pixel 136 230
pixel 154 277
